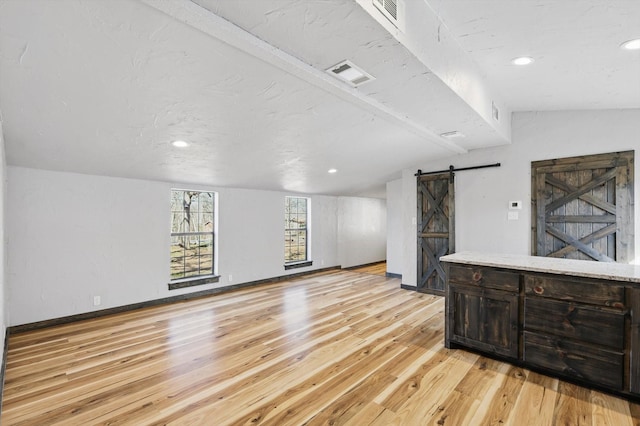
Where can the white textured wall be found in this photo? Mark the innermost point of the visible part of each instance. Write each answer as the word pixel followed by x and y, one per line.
pixel 394 227
pixel 482 196
pixel 362 230
pixel 73 236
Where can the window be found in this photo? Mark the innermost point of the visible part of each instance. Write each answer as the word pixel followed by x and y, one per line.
pixel 296 220
pixel 192 234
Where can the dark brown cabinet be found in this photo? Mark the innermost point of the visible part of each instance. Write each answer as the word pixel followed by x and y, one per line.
pixel 484 305
pixel 573 359
pixel 586 329
pixel 485 319
pixel 576 328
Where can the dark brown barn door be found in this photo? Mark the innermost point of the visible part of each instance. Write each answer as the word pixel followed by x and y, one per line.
pixel 435 230
pixel 583 207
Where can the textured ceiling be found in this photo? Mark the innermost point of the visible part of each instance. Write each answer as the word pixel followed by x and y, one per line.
pixel 324 33
pixel 575 44
pixel 102 87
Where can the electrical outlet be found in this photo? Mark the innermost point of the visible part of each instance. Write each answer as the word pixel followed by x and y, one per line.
pixel 230 277
pixel 96 301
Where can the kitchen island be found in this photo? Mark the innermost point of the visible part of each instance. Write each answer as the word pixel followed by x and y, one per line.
pixel 573 319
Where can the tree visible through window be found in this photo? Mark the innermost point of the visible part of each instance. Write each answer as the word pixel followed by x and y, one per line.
pixel 192 230
pixel 295 229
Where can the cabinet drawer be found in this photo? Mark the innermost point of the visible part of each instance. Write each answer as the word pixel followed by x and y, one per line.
pixel 485 277
pixel 601 293
pixel 575 360
pixel 600 326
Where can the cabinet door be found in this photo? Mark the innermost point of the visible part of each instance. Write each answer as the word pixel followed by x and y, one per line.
pixel 483 319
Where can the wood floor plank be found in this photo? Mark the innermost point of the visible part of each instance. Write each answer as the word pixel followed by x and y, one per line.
pixel 634 409
pixel 435 385
pixel 491 392
pixel 329 388
pixel 287 399
pixel 536 401
pixel 340 347
pixel 573 407
pixel 609 411
pixel 352 402
pixel 369 415
pixel 505 398
pixel 462 404
pixel 457 409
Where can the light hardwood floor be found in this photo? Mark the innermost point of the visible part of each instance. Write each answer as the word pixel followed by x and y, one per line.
pixel 379 268
pixel 334 348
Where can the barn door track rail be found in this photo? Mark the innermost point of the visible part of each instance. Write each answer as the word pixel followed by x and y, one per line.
pixel 452 169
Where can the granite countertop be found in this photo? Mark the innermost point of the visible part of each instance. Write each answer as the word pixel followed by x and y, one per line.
pixel 580 268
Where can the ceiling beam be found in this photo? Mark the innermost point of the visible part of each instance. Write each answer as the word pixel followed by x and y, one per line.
pixel 430 41
pixel 203 20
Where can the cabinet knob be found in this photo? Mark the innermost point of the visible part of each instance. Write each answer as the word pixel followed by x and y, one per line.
pixel 538 290
pixel 477 276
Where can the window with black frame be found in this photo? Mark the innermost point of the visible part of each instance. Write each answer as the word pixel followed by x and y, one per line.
pixel 192 234
pixel 296 229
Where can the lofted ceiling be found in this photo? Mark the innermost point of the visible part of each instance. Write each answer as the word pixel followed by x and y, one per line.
pixel 575 44
pixel 103 87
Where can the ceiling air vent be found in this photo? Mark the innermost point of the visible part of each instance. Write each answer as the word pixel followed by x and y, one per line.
pixel 452 135
pixel 495 112
pixel 347 71
pixel 391 9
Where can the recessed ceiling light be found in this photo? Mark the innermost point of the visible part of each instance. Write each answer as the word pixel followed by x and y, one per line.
pixel 332 171
pixel 522 60
pixel 452 135
pixel 631 44
pixel 180 144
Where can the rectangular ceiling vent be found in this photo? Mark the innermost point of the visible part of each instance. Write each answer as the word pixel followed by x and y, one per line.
pixel 350 73
pixel 495 112
pixel 392 10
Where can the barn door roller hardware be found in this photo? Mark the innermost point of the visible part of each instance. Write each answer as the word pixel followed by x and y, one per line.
pixel 452 169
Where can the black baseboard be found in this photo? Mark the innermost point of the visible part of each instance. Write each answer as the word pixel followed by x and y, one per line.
pixel 392 275
pixel 364 265
pixel 164 301
pixel 408 287
pixel 4 365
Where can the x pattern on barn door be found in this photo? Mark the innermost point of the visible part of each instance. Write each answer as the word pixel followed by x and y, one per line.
pixel 583 207
pixel 435 230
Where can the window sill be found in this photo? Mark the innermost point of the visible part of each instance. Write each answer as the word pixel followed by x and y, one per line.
pixel 192 282
pixel 294 265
